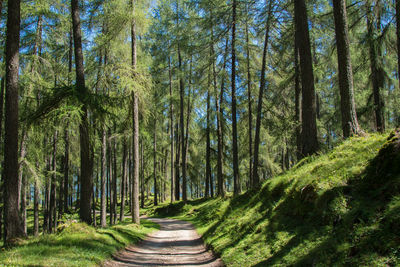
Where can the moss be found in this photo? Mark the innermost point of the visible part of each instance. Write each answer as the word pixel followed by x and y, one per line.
pixel 77 244
pixel 339 208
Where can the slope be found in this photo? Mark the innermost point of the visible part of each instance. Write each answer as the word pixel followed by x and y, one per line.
pixel 340 208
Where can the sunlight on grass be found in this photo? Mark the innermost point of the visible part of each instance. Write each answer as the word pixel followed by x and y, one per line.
pixel 77 245
pixel 320 212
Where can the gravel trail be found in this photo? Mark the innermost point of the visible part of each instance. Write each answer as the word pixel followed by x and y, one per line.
pixel 175 244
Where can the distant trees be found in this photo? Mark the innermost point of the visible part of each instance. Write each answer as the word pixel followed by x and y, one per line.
pixel 148 111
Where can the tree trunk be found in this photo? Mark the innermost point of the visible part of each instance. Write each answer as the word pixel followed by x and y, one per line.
pixel 220 136
pixel 155 162
pixel 135 184
pixel 52 214
pixel 85 164
pixel 66 169
pixel 309 122
pixel 236 181
pixel 182 125
pixel 13 228
pixel 114 180
pixel 377 71
pixel 398 53
pixel 103 205
pixel 142 174
pixel 21 193
pixel 123 179
pixel 171 116
pixel 297 88
pixel 348 107
pixel 256 178
pixel 36 208
pixel 23 203
pixel 177 162
pixel 250 100
pixel 208 148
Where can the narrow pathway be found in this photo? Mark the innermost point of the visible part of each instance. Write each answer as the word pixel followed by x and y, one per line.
pixel 175 244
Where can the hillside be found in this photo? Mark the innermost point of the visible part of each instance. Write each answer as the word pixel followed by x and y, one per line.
pixel 341 208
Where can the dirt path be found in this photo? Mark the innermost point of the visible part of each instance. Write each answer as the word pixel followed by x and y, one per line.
pixel 175 244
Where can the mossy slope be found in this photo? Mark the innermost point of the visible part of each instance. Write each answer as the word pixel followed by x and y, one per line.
pixel 341 208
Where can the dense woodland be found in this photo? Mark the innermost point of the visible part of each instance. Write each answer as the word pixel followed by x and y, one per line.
pixel 105 104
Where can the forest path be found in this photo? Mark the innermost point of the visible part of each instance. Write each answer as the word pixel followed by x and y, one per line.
pixel 175 244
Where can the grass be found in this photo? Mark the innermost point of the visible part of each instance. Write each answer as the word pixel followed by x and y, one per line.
pixel 76 245
pixel 340 208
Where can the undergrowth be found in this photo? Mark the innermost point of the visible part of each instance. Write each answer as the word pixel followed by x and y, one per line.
pixel 76 245
pixel 340 208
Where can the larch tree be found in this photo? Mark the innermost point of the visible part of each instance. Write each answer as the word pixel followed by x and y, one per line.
pixel 135 119
pixel 255 182
pixel 86 164
pixel 12 222
pixel 347 104
pixel 235 152
pixel 309 114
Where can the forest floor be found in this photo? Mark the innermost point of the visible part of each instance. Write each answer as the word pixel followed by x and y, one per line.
pixel 175 244
pixel 341 208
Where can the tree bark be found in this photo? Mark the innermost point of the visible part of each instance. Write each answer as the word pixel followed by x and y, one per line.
pixel 208 148
pixel 171 116
pixel 142 189
pixel 182 125
pixel 52 214
pixel 36 208
pixel 13 228
pixel 114 180
pixel 309 122
pixel 66 169
pixel 155 162
pixel 177 162
pixel 123 179
pixel 297 88
pixel 250 100
pixel 256 179
pixel 135 189
pixel 348 107
pixel 85 164
pixel 236 180
pixel 220 132
pixel 377 71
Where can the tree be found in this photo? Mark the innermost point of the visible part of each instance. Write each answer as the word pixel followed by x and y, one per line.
pixel 135 118
pixel 309 122
pixel 256 179
pixel 236 181
pixel 377 71
pixel 348 107
pixel 86 164
pixel 12 223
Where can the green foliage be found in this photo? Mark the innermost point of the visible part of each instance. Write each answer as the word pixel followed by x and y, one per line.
pixel 331 209
pixel 77 244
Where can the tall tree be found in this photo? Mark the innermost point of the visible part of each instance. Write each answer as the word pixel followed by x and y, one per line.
pixel 171 126
pixel 375 57
pixel 86 164
pixel 135 118
pixel 256 179
pixel 308 115
pixel 12 222
pixel 236 181
pixel 348 107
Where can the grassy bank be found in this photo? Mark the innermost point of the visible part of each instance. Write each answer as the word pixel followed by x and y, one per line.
pixel 76 245
pixel 341 208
